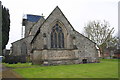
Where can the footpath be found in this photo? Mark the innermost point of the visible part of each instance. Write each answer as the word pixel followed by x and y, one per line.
pixel 9 74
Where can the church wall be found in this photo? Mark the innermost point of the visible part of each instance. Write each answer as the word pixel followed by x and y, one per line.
pixel 28 27
pixel 17 46
pixel 77 47
pixel 74 43
pixel 55 57
pixel 46 29
pixel 38 42
pixel 37 57
pixel 87 49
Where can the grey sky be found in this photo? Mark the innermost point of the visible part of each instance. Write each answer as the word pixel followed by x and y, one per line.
pixel 78 12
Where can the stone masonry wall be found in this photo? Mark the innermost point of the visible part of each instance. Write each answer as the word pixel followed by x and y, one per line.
pixel 40 41
pixel 77 47
pixel 87 49
pixel 16 46
pixel 28 27
pixel 54 56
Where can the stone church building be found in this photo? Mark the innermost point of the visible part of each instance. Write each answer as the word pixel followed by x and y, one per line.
pixel 53 41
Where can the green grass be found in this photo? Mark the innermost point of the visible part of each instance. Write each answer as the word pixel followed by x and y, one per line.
pixel 105 69
pixel 116 60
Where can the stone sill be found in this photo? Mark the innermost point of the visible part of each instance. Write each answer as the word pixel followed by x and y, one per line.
pixel 60 59
pixel 53 49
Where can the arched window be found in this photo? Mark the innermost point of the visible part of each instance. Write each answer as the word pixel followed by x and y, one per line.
pixel 57 37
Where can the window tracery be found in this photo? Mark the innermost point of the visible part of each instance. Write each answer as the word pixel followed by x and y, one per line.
pixel 57 37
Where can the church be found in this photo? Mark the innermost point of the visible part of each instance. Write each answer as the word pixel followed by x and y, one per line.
pixel 53 41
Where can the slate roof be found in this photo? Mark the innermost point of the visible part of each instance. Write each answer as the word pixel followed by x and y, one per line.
pixel 33 18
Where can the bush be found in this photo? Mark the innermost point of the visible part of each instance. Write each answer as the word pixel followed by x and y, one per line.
pixel 11 59
pixel 115 57
pixel 15 59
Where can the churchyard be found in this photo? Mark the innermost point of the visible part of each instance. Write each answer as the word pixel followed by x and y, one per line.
pixel 107 68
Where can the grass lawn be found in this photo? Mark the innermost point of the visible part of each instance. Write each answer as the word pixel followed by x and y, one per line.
pixel 104 69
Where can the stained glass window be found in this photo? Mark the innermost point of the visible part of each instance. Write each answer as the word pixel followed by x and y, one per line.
pixel 57 37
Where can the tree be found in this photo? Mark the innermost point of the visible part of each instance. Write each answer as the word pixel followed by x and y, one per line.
pixel 101 34
pixel 5 26
pixel 0 28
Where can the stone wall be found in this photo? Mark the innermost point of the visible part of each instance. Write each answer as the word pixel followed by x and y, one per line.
pixel 28 26
pixel 55 56
pixel 56 16
pixel 22 48
pixel 87 48
pixel 77 47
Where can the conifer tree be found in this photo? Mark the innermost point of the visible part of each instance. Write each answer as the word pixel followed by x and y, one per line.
pixel 5 26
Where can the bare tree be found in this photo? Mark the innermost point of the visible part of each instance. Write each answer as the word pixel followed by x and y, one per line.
pixel 101 34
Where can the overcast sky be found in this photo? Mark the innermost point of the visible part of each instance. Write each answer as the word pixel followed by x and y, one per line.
pixel 78 12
